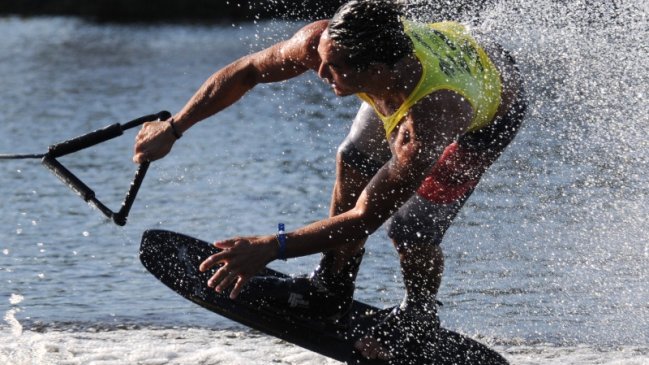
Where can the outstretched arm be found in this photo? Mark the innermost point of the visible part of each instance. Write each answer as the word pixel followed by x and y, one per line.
pixel 279 62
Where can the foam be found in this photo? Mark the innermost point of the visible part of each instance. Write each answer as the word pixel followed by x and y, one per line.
pixel 163 346
pixel 150 347
pixel 10 316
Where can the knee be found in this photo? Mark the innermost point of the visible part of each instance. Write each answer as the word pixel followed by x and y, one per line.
pixel 406 247
pixel 344 152
pixel 407 238
pixel 421 223
pixel 349 156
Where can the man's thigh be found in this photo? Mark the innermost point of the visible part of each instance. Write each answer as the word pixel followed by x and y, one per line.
pixel 431 210
pixel 365 149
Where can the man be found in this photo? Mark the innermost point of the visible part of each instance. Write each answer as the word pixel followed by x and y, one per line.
pixel 438 110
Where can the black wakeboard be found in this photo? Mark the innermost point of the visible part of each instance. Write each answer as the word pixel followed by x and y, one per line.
pixel 174 259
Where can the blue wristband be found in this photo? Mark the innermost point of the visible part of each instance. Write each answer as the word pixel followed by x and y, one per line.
pixel 281 239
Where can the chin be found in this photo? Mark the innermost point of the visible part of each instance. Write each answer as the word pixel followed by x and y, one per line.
pixel 343 93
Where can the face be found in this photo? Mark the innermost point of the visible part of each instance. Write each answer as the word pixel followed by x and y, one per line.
pixel 334 69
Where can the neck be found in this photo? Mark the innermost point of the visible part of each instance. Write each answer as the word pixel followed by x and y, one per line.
pixel 394 85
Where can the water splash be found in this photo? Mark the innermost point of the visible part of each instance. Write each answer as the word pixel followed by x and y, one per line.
pixel 10 315
pixel 560 235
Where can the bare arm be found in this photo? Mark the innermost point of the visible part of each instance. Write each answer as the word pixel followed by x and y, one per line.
pixel 279 62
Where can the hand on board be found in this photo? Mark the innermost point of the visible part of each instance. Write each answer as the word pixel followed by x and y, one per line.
pixel 241 259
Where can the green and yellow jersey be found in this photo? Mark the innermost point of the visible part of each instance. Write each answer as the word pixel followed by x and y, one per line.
pixel 451 59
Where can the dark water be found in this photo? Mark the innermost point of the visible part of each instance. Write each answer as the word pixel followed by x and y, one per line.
pixel 552 248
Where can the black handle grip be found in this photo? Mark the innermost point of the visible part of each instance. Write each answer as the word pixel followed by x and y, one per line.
pixel 68 178
pixel 86 140
pixel 75 184
pixel 120 217
pixel 163 115
pixel 101 135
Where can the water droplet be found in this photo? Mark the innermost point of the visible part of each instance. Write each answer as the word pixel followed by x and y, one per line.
pixel 15 299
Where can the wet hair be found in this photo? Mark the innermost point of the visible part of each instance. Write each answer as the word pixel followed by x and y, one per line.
pixel 371 31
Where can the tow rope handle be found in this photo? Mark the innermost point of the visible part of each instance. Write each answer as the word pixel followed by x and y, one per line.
pixel 90 139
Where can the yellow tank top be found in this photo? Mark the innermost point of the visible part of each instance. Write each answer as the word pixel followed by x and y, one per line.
pixel 451 59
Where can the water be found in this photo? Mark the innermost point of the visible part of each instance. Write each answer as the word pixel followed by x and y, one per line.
pixel 547 262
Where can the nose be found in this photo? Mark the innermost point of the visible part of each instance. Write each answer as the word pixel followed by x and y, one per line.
pixel 323 73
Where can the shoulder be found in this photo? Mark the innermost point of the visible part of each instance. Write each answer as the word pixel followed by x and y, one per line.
pixel 442 111
pixel 305 42
pixel 313 30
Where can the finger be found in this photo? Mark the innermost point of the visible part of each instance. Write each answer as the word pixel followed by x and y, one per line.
pixel 224 244
pixel 359 345
pixel 374 351
pixel 365 352
pixel 227 281
pixel 140 157
pixel 213 260
pixel 218 276
pixel 238 287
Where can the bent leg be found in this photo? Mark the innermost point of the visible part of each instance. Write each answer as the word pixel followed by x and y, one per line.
pixel 417 230
pixel 359 157
pixel 418 227
pixel 331 285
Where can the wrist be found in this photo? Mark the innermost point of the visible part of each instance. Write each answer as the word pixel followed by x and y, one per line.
pixel 270 247
pixel 280 239
pixel 175 131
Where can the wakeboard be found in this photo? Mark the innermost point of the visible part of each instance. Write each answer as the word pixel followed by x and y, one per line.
pixel 174 259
